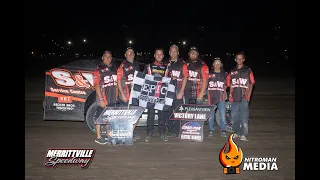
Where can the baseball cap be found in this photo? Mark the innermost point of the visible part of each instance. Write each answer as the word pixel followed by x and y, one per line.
pixel 129 48
pixel 193 48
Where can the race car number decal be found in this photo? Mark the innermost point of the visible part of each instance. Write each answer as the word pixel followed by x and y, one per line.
pixel 64 78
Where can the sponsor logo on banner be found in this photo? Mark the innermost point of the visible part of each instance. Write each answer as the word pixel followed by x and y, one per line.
pixel 75 157
pixel 192 131
pixel 120 133
pixel 233 158
pixel 120 120
pixel 192 112
pixel 120 115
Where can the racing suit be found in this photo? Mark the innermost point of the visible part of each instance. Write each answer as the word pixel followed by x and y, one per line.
pixel 177 70
pixel 106 77
pixel 198 70
pixel 159 70
pixel 217 96
pixel 239 81
pixel 125 74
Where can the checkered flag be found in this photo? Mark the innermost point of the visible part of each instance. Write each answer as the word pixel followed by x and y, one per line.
pixel 151 91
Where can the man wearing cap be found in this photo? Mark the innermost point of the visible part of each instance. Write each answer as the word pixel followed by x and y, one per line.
pixel 217 95
pixel 158 69
pixel 125 74
pixel 197 83
pixel 178 72
pixel 105 83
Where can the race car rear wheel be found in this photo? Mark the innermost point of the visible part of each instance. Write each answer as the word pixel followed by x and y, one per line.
pixel 90 119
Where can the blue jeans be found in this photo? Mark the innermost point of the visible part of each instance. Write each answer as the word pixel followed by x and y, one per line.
pixel 240 115
pixel 222 110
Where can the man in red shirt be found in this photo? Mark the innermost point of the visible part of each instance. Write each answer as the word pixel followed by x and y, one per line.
pixel 105 83
pixel 241 81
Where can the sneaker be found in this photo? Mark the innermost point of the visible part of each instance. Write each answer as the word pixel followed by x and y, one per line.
pixel 235 135
pixel 210 134
pixel 147 139
pixel 243 138
pixel 101 141
pixel 164 138
pixel 223 134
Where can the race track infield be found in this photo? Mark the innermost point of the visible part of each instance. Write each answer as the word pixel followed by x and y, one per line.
pixel 271 134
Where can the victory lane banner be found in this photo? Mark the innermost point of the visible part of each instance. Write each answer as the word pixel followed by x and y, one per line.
pixel 192 118
pixel 120 120
pixel 152 91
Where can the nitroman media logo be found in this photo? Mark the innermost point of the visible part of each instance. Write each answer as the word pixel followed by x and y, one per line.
pixel 232 159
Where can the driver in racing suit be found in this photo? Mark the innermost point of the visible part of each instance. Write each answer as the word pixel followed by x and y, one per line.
pixel 105 83
pixel 158 69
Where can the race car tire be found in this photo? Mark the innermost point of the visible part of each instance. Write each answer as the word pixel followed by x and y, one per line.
pixel 89 119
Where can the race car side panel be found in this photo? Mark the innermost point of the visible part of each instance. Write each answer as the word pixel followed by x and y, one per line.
pixel 63 115
pixel 66 92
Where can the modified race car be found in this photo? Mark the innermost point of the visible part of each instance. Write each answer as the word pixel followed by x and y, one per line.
pixel 70 94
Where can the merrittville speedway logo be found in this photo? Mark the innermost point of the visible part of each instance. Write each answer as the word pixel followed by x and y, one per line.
pixel 232 160
pixel 79 157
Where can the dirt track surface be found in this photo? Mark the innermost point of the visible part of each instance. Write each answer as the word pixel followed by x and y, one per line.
pixel 271 134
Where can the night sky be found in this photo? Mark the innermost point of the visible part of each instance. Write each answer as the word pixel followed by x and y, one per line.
pixel 260 28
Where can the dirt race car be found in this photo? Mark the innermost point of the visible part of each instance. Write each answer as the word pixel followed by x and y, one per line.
pixel 70 94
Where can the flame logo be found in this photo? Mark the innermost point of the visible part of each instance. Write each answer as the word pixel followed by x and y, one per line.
pixel 233 158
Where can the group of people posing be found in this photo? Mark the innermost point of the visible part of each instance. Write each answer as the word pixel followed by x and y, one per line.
pixel 194 81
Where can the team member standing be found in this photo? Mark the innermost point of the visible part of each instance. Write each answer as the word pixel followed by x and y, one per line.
pixel 217 95
pixel 105 83
pixel 125 74
pixel 158 69
pixel 241 82
pixel 197 83
pixel 178 71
